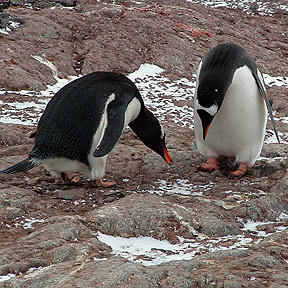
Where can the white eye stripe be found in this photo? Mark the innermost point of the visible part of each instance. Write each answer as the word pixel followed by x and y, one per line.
pixel 212 110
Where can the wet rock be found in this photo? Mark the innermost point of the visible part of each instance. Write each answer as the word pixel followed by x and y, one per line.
pixel 112 11
pixel 73 194
pixel 15 203
pixel 281 187
pixel 150 216
pixel 274 150
pixel 266 208
pixel 67 3
pixel 3 5
pixel 270 169
pixel 12 135
pixel 17 2
pixel 57 241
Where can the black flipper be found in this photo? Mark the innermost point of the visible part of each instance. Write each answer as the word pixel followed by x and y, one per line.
pixel 24 165
pixel 260 84
pixel 116 116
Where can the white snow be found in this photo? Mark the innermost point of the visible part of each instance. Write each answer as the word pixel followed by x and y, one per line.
pixel 32 269
pixel 283 216
pixel 145 70
pixel 7 29
pixel 275 81
pixel 161 95
pixel 180 186
pixel 262 7
pixel 28 113
pixel 270 137
pixel 7 277
pixel 150 251
pixel 28 222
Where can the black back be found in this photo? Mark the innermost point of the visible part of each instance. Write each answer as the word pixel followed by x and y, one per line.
pixel 72 116
pixel 218 68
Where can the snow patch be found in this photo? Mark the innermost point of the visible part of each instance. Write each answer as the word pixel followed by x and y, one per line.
pixel 270 137
pixel 28 223
pixel 145 70
pixel 150 251
pixel 180 186
pixel 248 6
pixel 146 250
pixel 275 81
pixel 7 277
pixel 10 26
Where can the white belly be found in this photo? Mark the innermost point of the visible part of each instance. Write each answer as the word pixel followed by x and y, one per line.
pixel 59 165
pixel 238 129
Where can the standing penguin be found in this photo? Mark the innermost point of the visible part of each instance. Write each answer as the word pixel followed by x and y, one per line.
pixel 230 108
pixel 84 121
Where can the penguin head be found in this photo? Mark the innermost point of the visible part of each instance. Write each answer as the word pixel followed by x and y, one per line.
pixel 209 97
pixel 206 115
pixel 151 133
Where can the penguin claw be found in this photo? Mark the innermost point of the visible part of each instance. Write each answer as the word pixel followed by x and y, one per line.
pixel 68 180
pixel 203 168
pixel 233 175
pixel 210 165
pixel 101 183
pixel 239 173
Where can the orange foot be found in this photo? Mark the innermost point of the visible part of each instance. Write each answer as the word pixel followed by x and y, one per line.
pixel 101 183
pixel 68 180
pixel 240 172
pixel 210 165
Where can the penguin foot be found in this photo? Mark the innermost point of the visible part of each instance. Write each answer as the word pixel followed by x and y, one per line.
pixel 239 173
pixel 101 183
pixel 68 180
pixel 210 165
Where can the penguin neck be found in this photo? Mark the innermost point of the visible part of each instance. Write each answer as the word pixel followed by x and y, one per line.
pixel 139 124
pixel 147 128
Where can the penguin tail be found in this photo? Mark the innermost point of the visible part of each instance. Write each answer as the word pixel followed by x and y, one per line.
pixel 24 165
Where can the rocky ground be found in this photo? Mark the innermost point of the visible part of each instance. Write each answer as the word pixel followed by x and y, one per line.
pixel 206 231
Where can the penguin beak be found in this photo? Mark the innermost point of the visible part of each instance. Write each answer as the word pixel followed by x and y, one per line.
pixel 205 131
pixel 167 156
pixel 206 120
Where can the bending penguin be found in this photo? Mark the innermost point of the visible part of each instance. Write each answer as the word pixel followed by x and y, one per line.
pixel 230 108
pixel 83 122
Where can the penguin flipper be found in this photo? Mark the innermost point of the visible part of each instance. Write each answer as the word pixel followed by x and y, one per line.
pixel 24 165
pixel 113 131
pixel 261 87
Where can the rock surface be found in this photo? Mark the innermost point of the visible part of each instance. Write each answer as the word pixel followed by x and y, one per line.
pixel 231 233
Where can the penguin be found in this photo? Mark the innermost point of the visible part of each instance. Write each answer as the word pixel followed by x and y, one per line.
pixel 230 109
pixel 83 122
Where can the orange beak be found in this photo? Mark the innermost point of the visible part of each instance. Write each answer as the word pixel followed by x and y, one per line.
pixel 206 131
pixel 167 156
